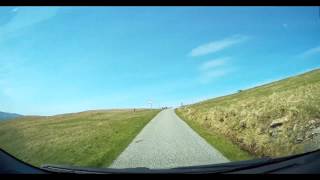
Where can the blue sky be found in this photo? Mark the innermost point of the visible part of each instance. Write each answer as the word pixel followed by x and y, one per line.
pixel 69 59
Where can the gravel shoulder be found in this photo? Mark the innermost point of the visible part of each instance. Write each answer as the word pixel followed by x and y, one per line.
pixel 167 142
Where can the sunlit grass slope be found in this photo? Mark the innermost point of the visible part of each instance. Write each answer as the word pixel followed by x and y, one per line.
pixel 91 138
pixel 276 119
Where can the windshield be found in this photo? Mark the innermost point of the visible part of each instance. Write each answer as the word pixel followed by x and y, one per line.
pixel 158 87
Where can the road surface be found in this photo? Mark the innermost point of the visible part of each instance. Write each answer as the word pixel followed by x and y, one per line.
pixel 166 142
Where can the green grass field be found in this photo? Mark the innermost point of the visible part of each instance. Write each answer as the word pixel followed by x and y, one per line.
pixel 273 120
pixel 91 138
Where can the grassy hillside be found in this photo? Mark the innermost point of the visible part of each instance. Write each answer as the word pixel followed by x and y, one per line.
pixel 91 138
pixel 275 119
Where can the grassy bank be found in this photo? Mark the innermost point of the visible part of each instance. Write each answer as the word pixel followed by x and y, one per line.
pixel 230 150
pixel 91 138
pixel 274 120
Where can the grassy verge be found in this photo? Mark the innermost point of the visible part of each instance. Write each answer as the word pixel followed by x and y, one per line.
pixel 91 138
pixel 276 119
pixel 230 150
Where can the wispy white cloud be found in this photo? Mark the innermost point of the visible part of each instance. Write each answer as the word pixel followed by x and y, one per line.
pixel 218 45
pixel 25 17
pixel 310 52
pixel 214 69
pixel 285 25
pixel 217 73
pixel 213 63
pixel 214 74
pixel 15 9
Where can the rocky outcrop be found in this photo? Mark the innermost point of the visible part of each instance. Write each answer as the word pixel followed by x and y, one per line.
pixel 279 122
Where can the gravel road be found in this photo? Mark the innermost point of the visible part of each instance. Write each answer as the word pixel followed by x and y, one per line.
pixel 166 142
